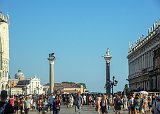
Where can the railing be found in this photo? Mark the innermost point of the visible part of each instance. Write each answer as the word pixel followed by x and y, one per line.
pixel 142 72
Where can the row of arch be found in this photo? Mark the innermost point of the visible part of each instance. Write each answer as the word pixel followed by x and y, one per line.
pixel 4 87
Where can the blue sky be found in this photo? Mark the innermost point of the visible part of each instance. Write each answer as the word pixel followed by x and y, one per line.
pixel 79 32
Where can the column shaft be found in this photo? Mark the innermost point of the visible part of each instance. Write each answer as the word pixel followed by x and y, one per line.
pixel 51 77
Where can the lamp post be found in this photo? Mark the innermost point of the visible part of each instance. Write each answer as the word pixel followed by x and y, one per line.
pixel 113 83
pixel 107 58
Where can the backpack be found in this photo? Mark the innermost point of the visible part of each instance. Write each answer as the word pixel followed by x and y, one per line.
pixel 27 104
pixel 3 108
pixel 101 103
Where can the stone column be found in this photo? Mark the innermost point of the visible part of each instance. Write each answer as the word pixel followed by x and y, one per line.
pixel 107 58
pixel 51 71
pixel 144 85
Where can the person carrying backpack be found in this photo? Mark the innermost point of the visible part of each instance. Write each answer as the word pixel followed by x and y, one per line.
pixel 5 107
pixel 104 105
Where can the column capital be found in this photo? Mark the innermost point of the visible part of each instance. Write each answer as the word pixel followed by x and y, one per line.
pixel 51 62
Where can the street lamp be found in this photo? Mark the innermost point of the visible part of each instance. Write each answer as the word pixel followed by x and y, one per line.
pixel 113 83
pixel 107 58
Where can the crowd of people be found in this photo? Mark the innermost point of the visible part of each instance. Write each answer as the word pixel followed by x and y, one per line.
pixel 22 104
pixel 134 103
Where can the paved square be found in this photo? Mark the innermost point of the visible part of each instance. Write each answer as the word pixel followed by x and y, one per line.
pixel 84 110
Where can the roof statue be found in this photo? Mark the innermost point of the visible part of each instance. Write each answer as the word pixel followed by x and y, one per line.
pixel 108 52
pixel 129 46
pixel 142 40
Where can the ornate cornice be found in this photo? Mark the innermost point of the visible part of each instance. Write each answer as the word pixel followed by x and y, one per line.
pixel 155 29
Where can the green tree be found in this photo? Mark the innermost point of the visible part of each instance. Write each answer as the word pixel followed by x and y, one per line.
pixel 126 89
pixel 84 85
pixel 69 82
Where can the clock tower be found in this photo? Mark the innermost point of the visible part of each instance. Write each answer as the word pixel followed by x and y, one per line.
pixel 4 51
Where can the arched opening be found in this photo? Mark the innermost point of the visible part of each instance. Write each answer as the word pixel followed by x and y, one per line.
pixel 7 86
pixel 2 87
pixel 1 50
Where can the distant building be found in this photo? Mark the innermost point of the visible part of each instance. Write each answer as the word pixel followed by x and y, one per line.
pixel 4 51
pixel 18 76
pixel 20 85
pixel 31 86
pixel 144 61
pixel 66 88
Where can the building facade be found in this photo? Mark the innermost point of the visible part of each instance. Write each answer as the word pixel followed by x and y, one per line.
pixel 4 51
pixel 30 86
pixel 20 85
pixel 144 61
pixel 66 88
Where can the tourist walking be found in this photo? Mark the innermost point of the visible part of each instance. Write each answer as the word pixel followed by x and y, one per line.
pixel 84 99
pixel 109 101
pixel 150 103
pixel 131 105
pixel 21 105
pixel 125 102
pixel 117 104
pixel 98 105
pixel 40 103
pixel 27 105
pixel 45 105
pixel 104 105
pixel 90 99
pixel 57 102
pixel 71 101
pixel 145 105
pixel 67 100
pixel 16 105
pixel 51 100
pixel 11 100
pixel 78 102
pixel 5 107
pixel 138 103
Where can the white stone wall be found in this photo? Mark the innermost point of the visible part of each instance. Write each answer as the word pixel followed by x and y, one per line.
pixel 4 54
pixel 34 87
pixel 16 91
pixel 140 60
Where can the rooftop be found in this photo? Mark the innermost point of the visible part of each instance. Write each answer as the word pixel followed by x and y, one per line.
pixel 143 40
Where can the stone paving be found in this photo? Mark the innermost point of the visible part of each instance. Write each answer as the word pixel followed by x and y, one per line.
pixel 85 110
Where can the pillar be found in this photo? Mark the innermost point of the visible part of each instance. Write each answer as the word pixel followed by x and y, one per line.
pixel 51 71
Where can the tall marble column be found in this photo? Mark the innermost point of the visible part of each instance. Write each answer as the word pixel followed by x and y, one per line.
pixel 107 58
pixel 51 71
